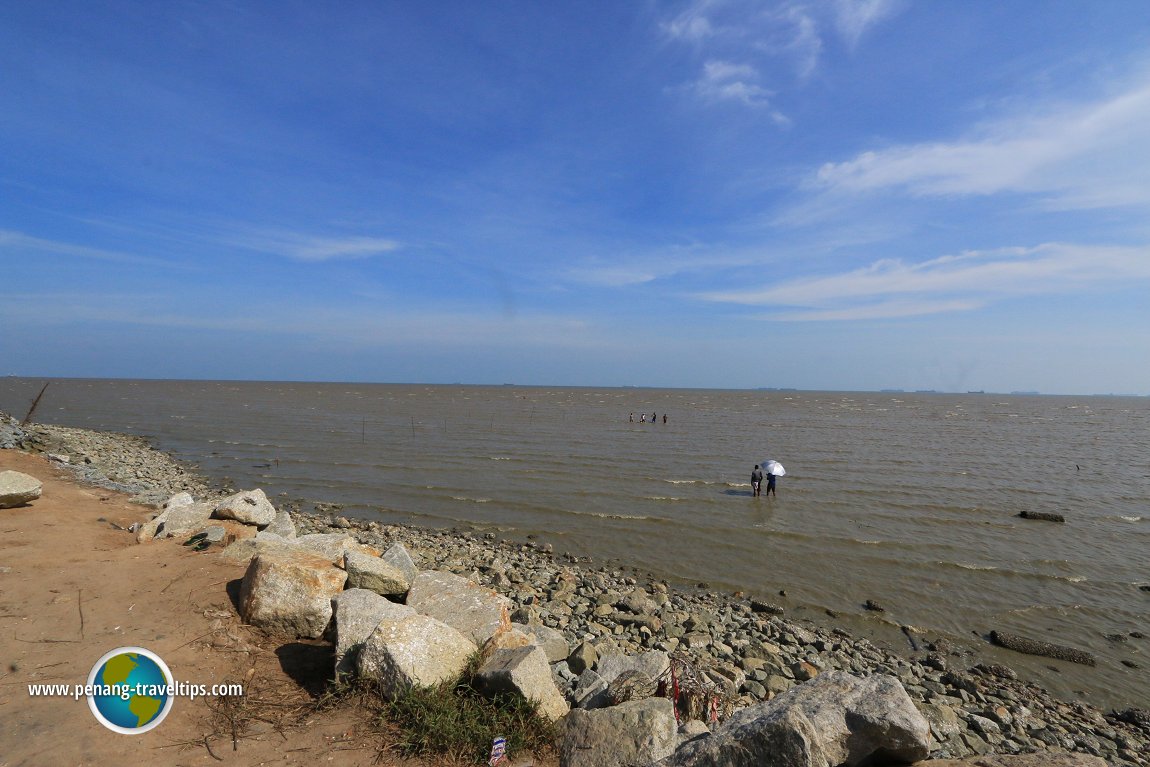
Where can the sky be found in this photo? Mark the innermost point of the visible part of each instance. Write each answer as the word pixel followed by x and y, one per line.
pixel 818 194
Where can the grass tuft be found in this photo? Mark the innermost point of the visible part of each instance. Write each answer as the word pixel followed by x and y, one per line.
pixel 457 721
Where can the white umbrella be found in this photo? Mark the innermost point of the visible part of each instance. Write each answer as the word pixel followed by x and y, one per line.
pixel 774 467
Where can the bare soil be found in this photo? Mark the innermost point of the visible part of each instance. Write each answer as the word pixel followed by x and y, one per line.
pixel 73 587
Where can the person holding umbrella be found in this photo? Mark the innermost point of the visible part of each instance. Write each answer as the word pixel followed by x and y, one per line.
pixel 774 470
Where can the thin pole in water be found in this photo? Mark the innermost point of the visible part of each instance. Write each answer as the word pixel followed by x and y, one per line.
pixel 35 404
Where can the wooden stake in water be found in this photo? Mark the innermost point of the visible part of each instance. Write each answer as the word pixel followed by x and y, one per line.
pixel 35 404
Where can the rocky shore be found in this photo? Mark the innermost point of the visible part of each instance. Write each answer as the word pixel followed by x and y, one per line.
pixel 747 649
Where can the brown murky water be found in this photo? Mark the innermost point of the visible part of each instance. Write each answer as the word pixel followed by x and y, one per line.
pixel 906 499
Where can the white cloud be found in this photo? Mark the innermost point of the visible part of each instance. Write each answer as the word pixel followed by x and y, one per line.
pixel 1087 156
pixel 793 31
pixel 892 288
pixel 303 247
pixel 853 18
pixel 725 81
pixel 692 24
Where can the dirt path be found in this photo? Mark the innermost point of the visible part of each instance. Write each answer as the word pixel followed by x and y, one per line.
pixel 73 587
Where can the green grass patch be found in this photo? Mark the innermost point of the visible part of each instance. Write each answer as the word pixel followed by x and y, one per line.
pixel 455 720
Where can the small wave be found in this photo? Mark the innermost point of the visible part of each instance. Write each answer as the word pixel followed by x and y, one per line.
pixel 661 498
pixel 498 458
pixel 470 500
pixel 968 566
pixel 685 481
pixel 607 515
pixel 1131 519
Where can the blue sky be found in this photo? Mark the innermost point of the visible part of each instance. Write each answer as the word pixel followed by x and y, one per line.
pixel 830 194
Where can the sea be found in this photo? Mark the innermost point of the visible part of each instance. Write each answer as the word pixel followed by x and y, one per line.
pixel 910 500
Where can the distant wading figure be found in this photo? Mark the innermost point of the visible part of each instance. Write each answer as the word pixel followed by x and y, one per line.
pixel 771 485
pixel 756 480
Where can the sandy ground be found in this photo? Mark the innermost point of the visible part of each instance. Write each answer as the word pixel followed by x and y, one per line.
pixel 73 587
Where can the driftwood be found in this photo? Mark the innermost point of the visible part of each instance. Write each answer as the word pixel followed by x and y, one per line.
pixel 1034 647
pixel 1044 516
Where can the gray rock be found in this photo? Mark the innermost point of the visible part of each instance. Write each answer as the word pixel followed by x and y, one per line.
pixel 176 522
pixel 653 663
pixel 691 729
pixel 476 611
pixel 638 602
pixel 214 534
pixel 374 574
pixel 582 657
pixel 282 525
pixel 591 691
pixel 944 722
pixel 635 733
pixel 835 719
pixel 397 556
pixel 523 671
pixel 251 507
pixel 290 592
pixel 357 612
pixel 413 650
pixel 183 498
pixel 18 488
pixel 553 642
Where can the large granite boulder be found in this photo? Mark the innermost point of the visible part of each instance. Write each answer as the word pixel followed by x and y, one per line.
pixel 176 521
pixel 411 650
pixel 523 671
pixel 251 507
pixel 18 488
pixel 244 550
pixel 374 574
pixel 476 611
pixel 332 546
pixel 290 591
pixel 357 612
pixel 834 719
pixel 637 732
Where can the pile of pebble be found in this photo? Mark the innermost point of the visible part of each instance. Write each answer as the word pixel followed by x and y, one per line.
pixel 121 462
pixel 972 710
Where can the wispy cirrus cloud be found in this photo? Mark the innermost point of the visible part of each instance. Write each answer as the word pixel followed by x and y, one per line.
pixel 307 247
pixel 18 242
pixel 1081 156
pixel 893 288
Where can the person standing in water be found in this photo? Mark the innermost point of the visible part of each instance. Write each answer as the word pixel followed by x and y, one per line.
pixel 756 480
pixel 771 485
